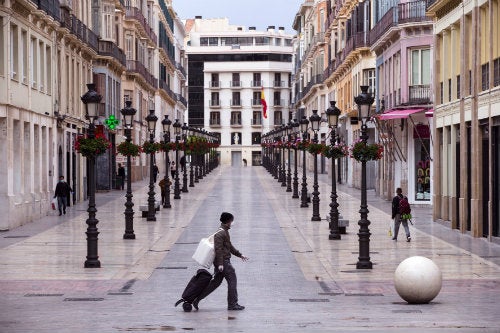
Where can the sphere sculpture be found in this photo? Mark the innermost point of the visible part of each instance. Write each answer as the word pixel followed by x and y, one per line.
pixel 418 280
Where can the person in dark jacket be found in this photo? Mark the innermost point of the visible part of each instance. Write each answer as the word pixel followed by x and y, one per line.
pixel 62 193
pixel 396 215
pixel 223 268
pixel 121 175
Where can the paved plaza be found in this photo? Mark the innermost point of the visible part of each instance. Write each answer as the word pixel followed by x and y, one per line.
pixel 297 280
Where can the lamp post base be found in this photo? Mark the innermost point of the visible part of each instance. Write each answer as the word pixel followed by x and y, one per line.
pixel 128 236
pixel 92 264
pixel 364 265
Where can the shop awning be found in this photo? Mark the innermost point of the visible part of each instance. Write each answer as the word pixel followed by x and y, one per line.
pixel 399 114
pixel 429 113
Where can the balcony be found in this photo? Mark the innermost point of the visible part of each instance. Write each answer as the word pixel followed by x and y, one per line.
pixel 317 39
pixel 80 30
pixel 180 68
pixel 496 72
pixel 257 84
pixel 51 7
pixel 278 84
pixel 236 103
pixel 181 99
pixel 137 67
pixel 236 119
pixel 110 49
pixel 279 103
pixel 419 94
pixel 256 103
pixel 410 12
pixel 165 87
pixel 257 122
pixel 235 84
pixel 136 14
pixel 214 84
pixel 214 119
pixel 214 103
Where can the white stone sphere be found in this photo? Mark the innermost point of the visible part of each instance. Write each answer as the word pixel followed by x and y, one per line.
pixel 418 280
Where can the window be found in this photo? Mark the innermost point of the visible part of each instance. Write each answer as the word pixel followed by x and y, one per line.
pixel 108 17
pixel 256 98
pixel 204 41
pixel 277 41
pixel 14 52
pixel 256 137
pixel 256 80
pixel 129 46
pixel 422 169
pixel 236 101
pixel 420 67
pixel 215 99
pixel 262 40
pixel 236 80
pixel 215 83
pixel 277 99
pixel 369 79
pixel 34 62
pixel 214 118
pixel 41 52
pixel 235 118
pixel 2 52
pixel 213 41
pixel 236 138
pixel 288 42
pixel 24 57
pixel 277 80
pixel 256 118
pixel 278 120
pixel 48 60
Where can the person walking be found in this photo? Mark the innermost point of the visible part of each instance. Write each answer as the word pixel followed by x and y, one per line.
pixel 173 168
pixel 121 175
pixel 396 215
pixel 155 172
pixel 62 193
pixel 182 162
pixel 223 268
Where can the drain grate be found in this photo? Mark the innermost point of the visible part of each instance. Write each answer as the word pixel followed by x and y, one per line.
pixel 16 236
pixel 42 295
pixel 171 267
pixel 309 300
pixel 365 294
pixel 84 299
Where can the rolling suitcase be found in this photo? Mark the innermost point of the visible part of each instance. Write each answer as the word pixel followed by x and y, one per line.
pixel 194 288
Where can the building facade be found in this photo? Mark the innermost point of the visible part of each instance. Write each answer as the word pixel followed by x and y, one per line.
pixel 50 50
pixel 229 70
pixel 466 115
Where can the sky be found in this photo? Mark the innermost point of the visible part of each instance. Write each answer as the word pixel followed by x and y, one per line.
pixel 248 13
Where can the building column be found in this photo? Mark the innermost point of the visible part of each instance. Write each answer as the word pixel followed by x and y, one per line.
pixel 445 194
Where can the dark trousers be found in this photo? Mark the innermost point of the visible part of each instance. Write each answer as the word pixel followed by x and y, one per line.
pixel 229 274
pixel 62 202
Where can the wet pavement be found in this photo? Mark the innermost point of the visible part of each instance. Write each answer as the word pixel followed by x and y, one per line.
pixel 297 280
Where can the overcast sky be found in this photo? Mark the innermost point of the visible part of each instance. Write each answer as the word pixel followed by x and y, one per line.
pixel 248 13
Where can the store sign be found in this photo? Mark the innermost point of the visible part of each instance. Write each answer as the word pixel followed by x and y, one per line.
pixel 421 131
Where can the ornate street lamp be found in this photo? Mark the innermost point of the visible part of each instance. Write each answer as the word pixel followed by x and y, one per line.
pixel 288 130
pixel 283 160
pixel 295 126
pixel 333 114
pixel 303 193
pixel 151 119
pixel 192 132
pixel 128 121
pixel 185 129
pixel 165 123
pixel 364 102
pixel 177 132
pixel 91 99
pixel 315 120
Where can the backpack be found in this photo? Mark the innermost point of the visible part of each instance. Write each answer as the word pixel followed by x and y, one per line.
pixel 404 206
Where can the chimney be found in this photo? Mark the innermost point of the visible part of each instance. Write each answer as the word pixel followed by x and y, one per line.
pixel 198 17
pixel 281 28
pixel 251 28
pixel 240 28
pixel 271 28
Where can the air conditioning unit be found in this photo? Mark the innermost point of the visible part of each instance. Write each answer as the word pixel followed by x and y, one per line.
pixel 66 4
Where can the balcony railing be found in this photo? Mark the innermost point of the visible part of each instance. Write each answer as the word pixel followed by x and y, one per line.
pixel 235 84
pixel 279 83
pixel 181 99
pixel 235 102
pixel 110 49
pixel 404 13
pixel 214 84
pixel 51 7
pixel 257 121
pixel 257 84
pixel 215 122
pixel 420 94
pixel 164 86
pixel 214 103
pixel 80 30
pixel 180 68
pixel 137 67
pixel 136 14
pixel 256 102
pixel 279 103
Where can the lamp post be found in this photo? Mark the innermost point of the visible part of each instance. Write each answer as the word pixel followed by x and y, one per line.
pixel 289 171
pixel 315 119
pixel 333 114
pixel 364 102
pixel 283 160
pixel 185 129
pixel 91 99
pixel 151 119
pixel 295 194
pixel 128 121
pixel 166 138
pixel 192 132
pixel 177 132
pixel 303 193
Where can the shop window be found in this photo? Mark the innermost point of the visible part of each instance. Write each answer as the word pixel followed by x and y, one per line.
pixel 423 163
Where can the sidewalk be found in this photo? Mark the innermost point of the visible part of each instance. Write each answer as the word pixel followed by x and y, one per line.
pixel 296 280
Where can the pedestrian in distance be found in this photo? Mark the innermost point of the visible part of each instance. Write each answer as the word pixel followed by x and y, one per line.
pixel 223 268
pixel 121 175
pixel 155 172
pixel 182 162
pixel 62 193
pixel 173 168
pixel 400 203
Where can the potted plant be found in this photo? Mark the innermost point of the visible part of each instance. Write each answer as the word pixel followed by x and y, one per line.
pixel 128 149
pixel 92 147
pixel 362 151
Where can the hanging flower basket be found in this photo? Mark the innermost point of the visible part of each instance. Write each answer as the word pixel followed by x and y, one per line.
pixel 302 145
pixel 151 148
pixel 128 149
pixel 362 151
pixel 91 147
pixel 337 151
pixel 315 148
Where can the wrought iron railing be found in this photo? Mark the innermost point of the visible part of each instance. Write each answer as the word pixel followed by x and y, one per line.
pixel 137 67
pixel 110 49
pixel 136 14
pixel 419 94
